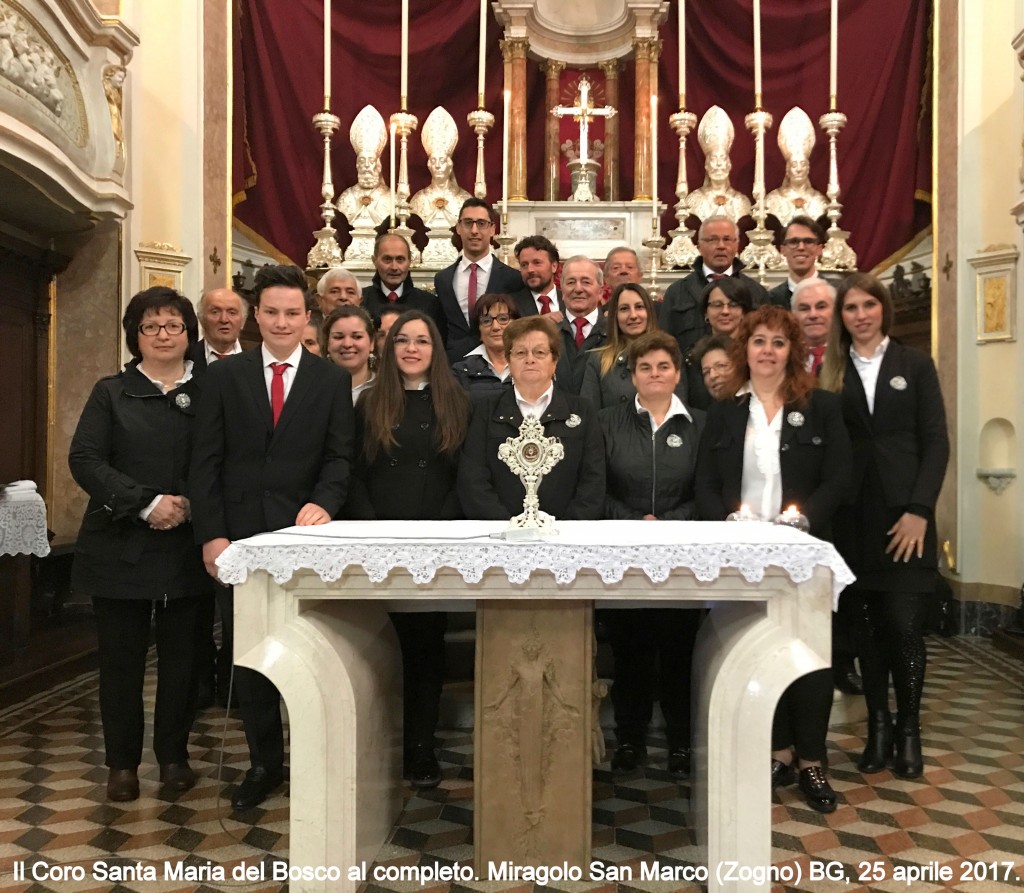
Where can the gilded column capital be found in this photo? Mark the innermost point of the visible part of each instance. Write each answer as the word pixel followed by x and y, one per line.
pixel 552 67
pixel 648 48
pixel 514 48
pixel 611 68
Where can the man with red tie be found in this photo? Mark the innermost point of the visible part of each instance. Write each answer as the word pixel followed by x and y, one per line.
pixel 584 327
pixel 813 303
pixel 473 275
pixel 392 286
pixel 718 242
pixel 802 242
pixel 273 449
pixel 538 261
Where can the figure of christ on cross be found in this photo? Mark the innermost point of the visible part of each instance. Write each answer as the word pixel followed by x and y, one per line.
pixel 583 111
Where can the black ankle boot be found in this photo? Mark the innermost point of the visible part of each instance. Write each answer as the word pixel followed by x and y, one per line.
pixel 878 750
pixel 907 761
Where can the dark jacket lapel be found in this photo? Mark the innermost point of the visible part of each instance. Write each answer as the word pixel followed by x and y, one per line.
pixel 257 382
pixel 305 375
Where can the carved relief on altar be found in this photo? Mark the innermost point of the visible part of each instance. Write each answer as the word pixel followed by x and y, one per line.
pixel 439 203
pixel 34 68
pixel 796 195
pixel 717 197
pixel 368 202
pixel 582 229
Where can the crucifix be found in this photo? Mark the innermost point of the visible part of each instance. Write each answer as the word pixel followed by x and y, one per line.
pixel 583 111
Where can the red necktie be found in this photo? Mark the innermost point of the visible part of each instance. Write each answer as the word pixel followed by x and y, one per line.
pixel 471 292
pixel 714 277
pixel 545 304
pixel 818 354
pixel 579 322
pixel 220 356
pixel 392 297
pixel 277 389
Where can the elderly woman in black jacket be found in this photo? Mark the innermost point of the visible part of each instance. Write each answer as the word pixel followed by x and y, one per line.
pixel 136 555
pixel 650 446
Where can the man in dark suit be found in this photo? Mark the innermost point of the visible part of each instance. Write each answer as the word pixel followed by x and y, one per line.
pixel 392 285
pixel 273 449
pixel 718 241
pixel 621 265
pixel 222 313
pixel 583 328
pixel 538 260
pixel 801 245
pixel 475 273
pixel 813 303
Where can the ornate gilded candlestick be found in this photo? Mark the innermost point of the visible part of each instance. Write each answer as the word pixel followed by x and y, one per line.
pixel 326 252
pixel 481 121
pixel 405 123
pixel 654 244
pixel 505 239
pixel 837 254
pixel 760 251
pixel 681 252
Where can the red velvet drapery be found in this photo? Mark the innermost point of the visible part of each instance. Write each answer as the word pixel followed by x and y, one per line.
pixel 884 152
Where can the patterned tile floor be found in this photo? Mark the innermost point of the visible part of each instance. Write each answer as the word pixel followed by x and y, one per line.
pixel 967 810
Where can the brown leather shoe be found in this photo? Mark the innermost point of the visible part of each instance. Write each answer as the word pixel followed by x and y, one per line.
pixel 177 776
pixel 122 785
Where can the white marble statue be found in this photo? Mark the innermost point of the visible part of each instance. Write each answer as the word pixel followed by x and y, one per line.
pixel 717 198
pixel 438 204
pixel 368 202
pixel 796 195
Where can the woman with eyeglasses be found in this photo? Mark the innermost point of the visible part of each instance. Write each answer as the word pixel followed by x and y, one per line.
pixel 607 380
pixel 574 488
pixel 485 369
pixel 347 339
pixel 136 556
pixel 724 303
pixel 409 429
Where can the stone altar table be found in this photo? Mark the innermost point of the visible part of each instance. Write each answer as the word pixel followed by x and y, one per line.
pixel 310 613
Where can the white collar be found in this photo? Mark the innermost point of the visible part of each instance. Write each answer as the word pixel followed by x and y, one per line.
pixel 676 407
pixel 591 317
pixel 542 402
pixel 292 359
pixel 484 263
pixel 211 354
pixel 160 384
pixel 877 355
pixel 708 272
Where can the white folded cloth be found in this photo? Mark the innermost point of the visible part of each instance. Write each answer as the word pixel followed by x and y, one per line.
pixel 20 487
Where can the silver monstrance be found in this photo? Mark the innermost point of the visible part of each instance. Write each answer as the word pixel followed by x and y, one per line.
pixel 531 455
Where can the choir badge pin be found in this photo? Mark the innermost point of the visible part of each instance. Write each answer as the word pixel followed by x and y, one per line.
pixel 573 421
pixel 674 440
pixel 183 401
pixel 898 383
pixel 795 419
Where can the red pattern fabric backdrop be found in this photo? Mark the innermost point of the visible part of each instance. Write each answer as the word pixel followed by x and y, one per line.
pixel 884 89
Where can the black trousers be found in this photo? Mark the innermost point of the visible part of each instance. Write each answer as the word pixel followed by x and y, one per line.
pixel 421 636
pixel 259 701
pixel 653 651
pixel 212 663
pixel 123 627
pixel 801 716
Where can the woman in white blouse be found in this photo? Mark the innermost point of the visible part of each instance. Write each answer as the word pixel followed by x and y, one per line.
pixel 774 442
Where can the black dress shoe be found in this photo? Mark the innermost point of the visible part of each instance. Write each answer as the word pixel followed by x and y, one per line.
pixel 816 790
pixel 783 774
pixel 878 750
pixel 846 678
pixel 679 761
pixel 258 784
pixel 907 761
pixel 122 785
pixel 628 757
pixel 177 776
pixel 422 768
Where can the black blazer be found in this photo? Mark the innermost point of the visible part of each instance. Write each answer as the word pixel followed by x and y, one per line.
pixel 814 457
pixel 461 340
pixel 375 298
pixel 249 476
pixel 527 306
pixel 572 364
pixel 906 436
pixel 574 489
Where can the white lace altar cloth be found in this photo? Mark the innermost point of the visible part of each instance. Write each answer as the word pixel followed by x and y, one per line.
pixel 608 547
pixel 22 523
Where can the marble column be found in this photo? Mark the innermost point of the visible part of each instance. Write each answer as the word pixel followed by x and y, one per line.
pixel 552 157
pixel 513 50
pixel 645 48
pixel 611 130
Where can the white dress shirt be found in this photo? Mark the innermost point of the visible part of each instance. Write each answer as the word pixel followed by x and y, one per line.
pixel 761 485
pixel 461 281
pixel 868 369
pixel 535 409
pixel 211 355
pixel 708 272
pixel 481 351
pixel 289 373
pixel 675 408
pixel 591 319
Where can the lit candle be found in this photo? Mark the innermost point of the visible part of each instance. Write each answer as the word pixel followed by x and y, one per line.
pixel 757 54
pixel 792 513
pixel 327 55
pixel 393 202
pixel 833 59
pixel 504 158
pixel 682 54
pixel 654 161
pixel 483 55
pixel 405 54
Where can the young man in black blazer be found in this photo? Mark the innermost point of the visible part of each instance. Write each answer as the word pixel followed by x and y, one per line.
pixel 273 449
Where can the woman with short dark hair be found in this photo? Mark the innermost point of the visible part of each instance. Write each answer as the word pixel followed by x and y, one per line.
pixel 484 369
pixel 136 555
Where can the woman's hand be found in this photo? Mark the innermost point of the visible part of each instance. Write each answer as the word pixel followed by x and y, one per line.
pixel 650 517
pixel 169 512
pixel 907 537
pixel 311 514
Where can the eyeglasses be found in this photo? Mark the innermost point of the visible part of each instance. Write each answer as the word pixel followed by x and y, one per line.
pixel 405 341
pixel 804 242
pixel 174 327
pixel 720 367
pixel 718 240
pixel 539 353
pixel 502 319
pixel 719 305
pixel 470 223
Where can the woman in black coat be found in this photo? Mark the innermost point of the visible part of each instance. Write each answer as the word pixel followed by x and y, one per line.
pixel 484 370
pixel 409 428
pixel 574 488
pixel 897 422
pixel 650 446
pixel 779 442
pixel 136 556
